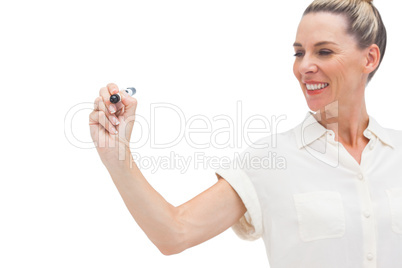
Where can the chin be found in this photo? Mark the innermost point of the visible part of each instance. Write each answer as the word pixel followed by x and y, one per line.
pixel 317 105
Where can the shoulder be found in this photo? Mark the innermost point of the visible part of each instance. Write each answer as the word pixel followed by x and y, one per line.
pixel 395 137
pixel 275 142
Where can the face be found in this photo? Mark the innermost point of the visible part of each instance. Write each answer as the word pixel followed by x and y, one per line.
pixel 328 64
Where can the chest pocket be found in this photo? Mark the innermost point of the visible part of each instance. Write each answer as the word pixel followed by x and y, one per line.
pixel 395 202
pixel 320 215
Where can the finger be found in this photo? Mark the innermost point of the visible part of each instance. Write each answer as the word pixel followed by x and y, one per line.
pixel 99 117
pixel 128 117
pixel 130 104
pixel 91 118
pixel 119 112
pixel 114 89
pixel 102 107
pixel 105 94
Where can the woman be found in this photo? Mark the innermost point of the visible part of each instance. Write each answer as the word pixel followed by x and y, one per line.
pixel 337 202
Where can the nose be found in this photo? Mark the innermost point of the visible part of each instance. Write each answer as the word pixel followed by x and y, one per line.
pixel 307 65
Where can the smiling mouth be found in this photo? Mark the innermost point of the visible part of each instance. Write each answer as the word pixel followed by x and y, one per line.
pixel 313 87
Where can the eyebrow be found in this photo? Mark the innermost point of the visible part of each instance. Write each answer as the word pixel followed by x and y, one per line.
pixel 317 44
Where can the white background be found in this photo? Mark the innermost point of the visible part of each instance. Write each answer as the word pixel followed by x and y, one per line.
pixel 58 205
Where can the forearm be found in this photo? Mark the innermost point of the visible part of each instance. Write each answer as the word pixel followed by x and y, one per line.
pixel 171 229
pixel 156 217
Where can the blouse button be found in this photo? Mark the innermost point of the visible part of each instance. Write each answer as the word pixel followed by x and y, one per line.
pixel 370 256
pixel 360 176
pixel 366 214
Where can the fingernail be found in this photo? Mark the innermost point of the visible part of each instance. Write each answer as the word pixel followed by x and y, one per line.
pixel 123 94
pixel 116 121
pixel 115 90
pixel 112 109
pixel 113 130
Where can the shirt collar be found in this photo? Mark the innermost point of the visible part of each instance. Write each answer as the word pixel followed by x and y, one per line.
pixel 378 131
pixel 310 130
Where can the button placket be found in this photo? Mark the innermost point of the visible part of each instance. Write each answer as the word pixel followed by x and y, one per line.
pixel 372 143
pixel 368 221
pixel 366 214
pixel 373 139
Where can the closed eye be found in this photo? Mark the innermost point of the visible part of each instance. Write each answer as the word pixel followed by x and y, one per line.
pixel 298 54
pixel 325 52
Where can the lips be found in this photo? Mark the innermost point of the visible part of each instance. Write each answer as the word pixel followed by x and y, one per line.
pixel 316 86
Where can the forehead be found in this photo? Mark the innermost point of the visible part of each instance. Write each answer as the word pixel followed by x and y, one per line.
pixel 322 26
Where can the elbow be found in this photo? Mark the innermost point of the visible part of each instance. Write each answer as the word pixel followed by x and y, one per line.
pixel 173 242
pixel 168 251
pixel 173 236
pixel 172 247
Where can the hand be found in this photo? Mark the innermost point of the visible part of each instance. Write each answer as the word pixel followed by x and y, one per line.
pixel 111 124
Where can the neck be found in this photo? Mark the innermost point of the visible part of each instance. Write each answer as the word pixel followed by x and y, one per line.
pixel 347 121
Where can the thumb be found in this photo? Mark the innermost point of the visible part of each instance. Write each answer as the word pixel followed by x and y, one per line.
pixel 127 118
pixel 130 104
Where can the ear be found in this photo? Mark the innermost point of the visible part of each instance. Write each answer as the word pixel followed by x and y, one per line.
pixel 372 58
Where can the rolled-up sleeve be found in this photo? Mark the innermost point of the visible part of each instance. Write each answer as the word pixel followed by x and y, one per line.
pixel 250 226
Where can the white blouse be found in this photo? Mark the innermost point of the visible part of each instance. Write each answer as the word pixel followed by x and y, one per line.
pixel 314 205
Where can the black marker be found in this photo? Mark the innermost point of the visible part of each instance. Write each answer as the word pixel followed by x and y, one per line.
pixel 115 98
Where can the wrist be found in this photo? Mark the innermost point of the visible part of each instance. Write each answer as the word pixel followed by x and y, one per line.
pixel 122 162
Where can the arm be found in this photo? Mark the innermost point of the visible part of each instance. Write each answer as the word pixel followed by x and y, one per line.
pixel 171 229
pixel 174 229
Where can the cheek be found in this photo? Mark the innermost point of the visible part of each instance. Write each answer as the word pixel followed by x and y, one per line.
pixel 296 70
pixel 347 67
pixel 340 64
pixel 342 69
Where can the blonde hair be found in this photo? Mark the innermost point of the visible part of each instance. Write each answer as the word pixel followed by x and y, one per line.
pixel 365 22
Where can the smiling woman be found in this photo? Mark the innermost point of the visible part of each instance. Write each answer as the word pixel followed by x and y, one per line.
pixel 335 202
pixel 364 22
pixel 328 62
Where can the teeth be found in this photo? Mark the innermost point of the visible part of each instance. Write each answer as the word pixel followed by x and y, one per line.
pixel 316 86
